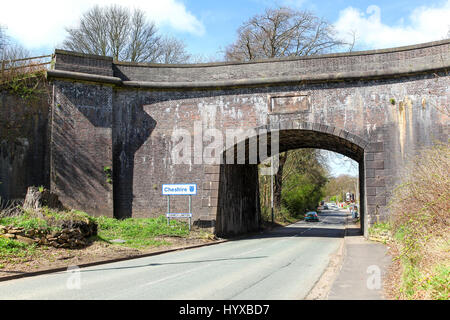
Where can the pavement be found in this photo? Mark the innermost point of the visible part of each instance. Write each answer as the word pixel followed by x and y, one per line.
pixel 363 268
pixel 285 263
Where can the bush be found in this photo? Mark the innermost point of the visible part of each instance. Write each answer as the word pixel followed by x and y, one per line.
pixel 420 220
pixel 420 206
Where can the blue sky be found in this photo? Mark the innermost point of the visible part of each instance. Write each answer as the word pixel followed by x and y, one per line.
pixel 208 26
pixel 222 18
pixel 339 164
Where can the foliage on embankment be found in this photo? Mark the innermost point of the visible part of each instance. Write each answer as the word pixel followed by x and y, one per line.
pixel 419 227
pixel 135 233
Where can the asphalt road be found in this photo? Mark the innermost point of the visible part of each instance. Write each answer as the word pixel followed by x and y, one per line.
pixel 282 264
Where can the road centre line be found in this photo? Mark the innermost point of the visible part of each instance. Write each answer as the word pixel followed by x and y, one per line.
pixel 177 275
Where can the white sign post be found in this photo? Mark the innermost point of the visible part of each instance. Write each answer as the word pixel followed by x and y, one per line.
pixel 189 189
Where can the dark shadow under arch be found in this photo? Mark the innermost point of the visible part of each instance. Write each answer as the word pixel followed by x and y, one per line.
pixel 238 208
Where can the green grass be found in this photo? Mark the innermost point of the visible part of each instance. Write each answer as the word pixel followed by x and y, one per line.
pixel 380 228
pixel 414 280
pixel 436 284
pixel 74 215
pixel 13 248
pixel 30 221
pixel 137 232
pixel 26 221
pixel 439 282
pixel 140 232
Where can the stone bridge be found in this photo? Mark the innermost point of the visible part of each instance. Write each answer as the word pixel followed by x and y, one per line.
pixel 113 124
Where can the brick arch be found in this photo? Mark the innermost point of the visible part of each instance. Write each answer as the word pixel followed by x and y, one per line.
pixel 234 195
pixel 353 142
pixel 339 134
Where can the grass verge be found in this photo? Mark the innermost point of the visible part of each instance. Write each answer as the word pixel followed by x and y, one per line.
pixel 11 248
pixel 136 232
pixel 140 232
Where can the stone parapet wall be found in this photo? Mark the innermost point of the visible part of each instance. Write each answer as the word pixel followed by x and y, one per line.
pixel 375 63
pixel 84 63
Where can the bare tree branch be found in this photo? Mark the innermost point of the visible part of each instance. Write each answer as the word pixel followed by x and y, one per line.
pixel 3 41
pixel 282 32
pixel 173 51
pixel 126 36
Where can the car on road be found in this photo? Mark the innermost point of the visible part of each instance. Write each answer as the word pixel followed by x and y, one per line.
pixel 311 216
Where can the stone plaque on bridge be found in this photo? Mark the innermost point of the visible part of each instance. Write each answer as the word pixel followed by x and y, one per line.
pixel 289 104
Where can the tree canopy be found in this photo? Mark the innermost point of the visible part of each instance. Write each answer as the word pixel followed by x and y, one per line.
pixel 125 35
pixel 282 32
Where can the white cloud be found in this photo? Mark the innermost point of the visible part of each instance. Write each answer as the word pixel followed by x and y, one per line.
pixel 424 24
pixel 41 23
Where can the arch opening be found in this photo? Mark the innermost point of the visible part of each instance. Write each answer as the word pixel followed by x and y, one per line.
pixel 238 203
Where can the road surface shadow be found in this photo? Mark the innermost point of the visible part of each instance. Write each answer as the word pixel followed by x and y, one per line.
pixel 326 214
pixel 354 232
pixel 302 232
pixel 171 263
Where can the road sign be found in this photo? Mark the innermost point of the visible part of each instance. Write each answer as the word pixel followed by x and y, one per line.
pixel 179 215
pixel 188 189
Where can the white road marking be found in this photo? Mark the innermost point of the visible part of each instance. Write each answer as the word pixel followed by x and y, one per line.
pixel 177 275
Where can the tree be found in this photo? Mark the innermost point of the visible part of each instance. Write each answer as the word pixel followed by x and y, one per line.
pixel 126 36
pixel 13 51
pixel 173 51
pixel 344 183
pixel 10 50
pixel 3 41
pixel 303 177
pixel 282 32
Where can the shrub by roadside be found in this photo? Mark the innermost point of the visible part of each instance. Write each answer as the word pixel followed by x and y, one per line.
pixel 418 231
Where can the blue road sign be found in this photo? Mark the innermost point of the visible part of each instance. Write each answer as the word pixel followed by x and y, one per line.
pixel 179 189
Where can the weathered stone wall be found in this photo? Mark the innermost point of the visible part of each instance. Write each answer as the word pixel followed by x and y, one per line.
pixel 385 106
pixel 355 64
pixel 24 143
pixel 81 152
pixel 238 206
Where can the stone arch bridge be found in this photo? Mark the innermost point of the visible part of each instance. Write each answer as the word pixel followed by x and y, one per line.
pixel 113 123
